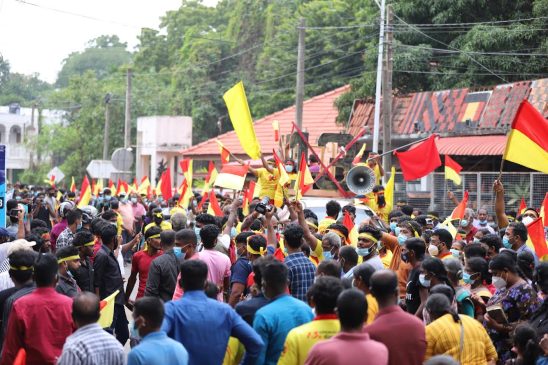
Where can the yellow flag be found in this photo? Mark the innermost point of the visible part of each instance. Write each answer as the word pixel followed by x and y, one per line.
pixel 99 187
pixel 449 226
pixel 107 310
pixel 239 113
pixel 159 187
pixel 143 187
pixel 389 190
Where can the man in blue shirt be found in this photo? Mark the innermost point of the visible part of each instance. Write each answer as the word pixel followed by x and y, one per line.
pixel 155 347
pixel 273 321
pixel 204 325
pixel 301 270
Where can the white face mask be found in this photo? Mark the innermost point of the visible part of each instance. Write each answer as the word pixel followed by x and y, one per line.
pixel 527 220
pixel 433 250
pixel 499 282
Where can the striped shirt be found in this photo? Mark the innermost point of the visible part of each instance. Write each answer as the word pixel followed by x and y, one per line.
pixel 300 274
pixel 91 345
pixel 443 337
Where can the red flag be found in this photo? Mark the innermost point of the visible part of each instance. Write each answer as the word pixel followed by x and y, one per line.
pixel 347 221
pixel 232 177
pixel 522 206
pixel 166 185
pixel 276 127
pixel 111 186
pixel 225 153
pixel 93 187
pixel 458 212
pixel 544 210
pixel 204 198
pixel 181 201
pixel 420 161
pixel 535 230
pixel 214 208
pixel 248 197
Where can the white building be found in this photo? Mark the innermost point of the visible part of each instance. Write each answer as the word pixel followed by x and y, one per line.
pixel 16 126
pixel 161 138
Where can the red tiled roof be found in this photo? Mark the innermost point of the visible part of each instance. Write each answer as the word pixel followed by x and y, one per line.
pixel 472 145
pixel 319 114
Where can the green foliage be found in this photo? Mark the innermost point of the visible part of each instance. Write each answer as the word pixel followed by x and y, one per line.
pixel 22 89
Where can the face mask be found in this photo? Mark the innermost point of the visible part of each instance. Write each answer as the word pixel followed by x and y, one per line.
pixel 327 255
pixel 401 239
pixel 289 168
pixel 233 232
pixel 397 231
pixel 404 257
pixel 424 281
pixel 506 242
pixel 134 331
pixel 433 250
pixel 455 253
pixel 197 232
pixel 363 251
pixel 483 222
pixel 79 226
pixel 393 226
pixel 179 253
pixel 464 223
pixel 18 198
pixel 476 240
pixel 467 278
pixel 107 197
pixel 527 220
pixel 499 282
pixel 133 200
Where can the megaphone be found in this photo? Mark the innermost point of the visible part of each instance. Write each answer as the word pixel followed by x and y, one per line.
pixel 360 180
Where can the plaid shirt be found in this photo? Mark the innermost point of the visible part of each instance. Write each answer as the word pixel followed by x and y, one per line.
pixel 300 274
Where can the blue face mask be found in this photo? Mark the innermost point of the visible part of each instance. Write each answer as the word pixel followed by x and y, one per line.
pixel 179 253
pixel 455 253
pixel 464 222
pixel 393 226
pixel 289 168
pixel 107 197
pixel 397 231
pixel 467 278
pixel 506 242
pixel 134 331
pixel 327 255
pixel 401 239
pixel 424 281
pixel 233 232
pixel 483 222
pixel 363 251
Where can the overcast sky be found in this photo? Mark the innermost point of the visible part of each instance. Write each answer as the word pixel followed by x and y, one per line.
pixel 37 38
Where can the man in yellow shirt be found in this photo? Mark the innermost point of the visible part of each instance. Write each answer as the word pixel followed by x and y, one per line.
pixel 158 220
pixel 332 209
pixel 322 296
pixel 460 337
pixel 268 177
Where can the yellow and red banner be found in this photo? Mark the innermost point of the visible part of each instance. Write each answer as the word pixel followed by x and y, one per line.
pixel 85 193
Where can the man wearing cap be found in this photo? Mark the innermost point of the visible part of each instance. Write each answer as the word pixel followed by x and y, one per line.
pixel 68 259
pixel 83 275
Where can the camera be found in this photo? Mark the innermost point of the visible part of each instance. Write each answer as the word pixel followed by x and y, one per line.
pixel 263 206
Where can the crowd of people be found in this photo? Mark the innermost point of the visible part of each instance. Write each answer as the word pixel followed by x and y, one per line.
pixel 274 286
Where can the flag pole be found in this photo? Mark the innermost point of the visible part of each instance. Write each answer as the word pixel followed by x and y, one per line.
pixel 399 148
pixel 500 171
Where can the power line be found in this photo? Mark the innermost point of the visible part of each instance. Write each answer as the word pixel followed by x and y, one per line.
pixel 441 50
pixel 470 24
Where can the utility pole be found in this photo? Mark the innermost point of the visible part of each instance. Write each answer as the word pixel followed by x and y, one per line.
pixel 300 76
pixel 127 127
pixel 31 155
pixel 379 81
pixel 387 92
pixel 107 126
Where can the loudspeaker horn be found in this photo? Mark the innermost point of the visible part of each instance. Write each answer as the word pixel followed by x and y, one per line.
pixel 360 180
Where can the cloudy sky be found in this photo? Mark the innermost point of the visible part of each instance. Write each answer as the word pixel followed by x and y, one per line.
pixel 36 35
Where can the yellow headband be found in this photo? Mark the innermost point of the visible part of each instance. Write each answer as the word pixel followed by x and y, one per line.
pixel 312 225
pixel 253 252
pixel 339 233
pixel 367 236
pixel 89 243
pixel 154 236
pixel 415 233
pixel 21 268
pixel 69 258
pixel 159 215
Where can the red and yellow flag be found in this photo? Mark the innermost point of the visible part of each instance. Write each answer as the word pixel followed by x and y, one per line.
pixel 107 310
pixel 165 186
pixel 304 178
pixel 522 206
pixel 186 168
pixel 535 230
pixel 186 194
pixel 73 185
pixel 232 177
pixel 85 193
pixel 284 177
pixel 544 210
pixel 452 170
pixel 214 208
pixel 248 197
pixel 225 154
pixel 276 128
pixel 458 212
pixel 144 186
pixel 527 143
pixel 111 186
pixel 359 155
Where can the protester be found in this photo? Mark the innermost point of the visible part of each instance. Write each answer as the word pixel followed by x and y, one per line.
pixel 351 345
pixel 40 321
pixel 391 322
pixel 526 346
pixel 248 246
pixel 331 244
pixel 218 264
pixel 328 268
pixel 348 259
pixel 362 276
pixel 322 296
pixel 515 238
pixel 415 296
pixel 461 337
pixel 247 308
pixel 74 223
pixel 69 260
pixel 440 244
pixel 155 348
pixel 190 321
pixel 368 238
pixel 332 210
pixel 283 313
pixel 83 275
pixel 539 320
pixel 462 294
pixel 89 344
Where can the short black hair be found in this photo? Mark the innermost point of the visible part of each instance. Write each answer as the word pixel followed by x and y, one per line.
pixel 352 308
pixel 541 276
pixel 108 233
pixel 81 238
pixel 407 209
pixel 97 224
pixel 349 208
pixel 503 261
pixel 205 219
pixel 73 215
pixel 293 235
pixel 86 308
pixel 152 231
pixel 21 265
pixel 394 214
pixel 373 231
pixel 186 235
pixel 193 275
pixel 324 292
pixel 329 268
pixel 37 223
pixel 333 208
pixel 108 215
pixel 417 246
pixel 339 227
pixel 209 234
pixel 383 284
pixel 436 267
pixel 474 250
pixel 274 274
pixel 479 265
pixel 66 251
pixel 309 214
pixel 242 237
pixel 167 238
pixel 45 270
pixel 445 237
pixel 438 305
pixel 519 229
pixel 151 309
pixel 364 272
pixel 444 289
pixel 256 242
pixel 348 253
pixel 211 290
